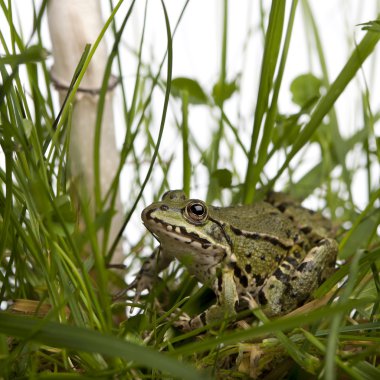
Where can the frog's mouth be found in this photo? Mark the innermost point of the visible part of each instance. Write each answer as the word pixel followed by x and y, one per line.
pixel 161 229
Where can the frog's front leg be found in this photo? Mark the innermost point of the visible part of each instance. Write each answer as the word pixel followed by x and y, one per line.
pixel 149 271
pixel 292 283
pixel 227 299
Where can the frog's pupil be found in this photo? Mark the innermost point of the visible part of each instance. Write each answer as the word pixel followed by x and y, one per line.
pixel 197 209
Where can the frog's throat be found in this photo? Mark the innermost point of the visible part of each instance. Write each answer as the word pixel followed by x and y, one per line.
pixel 158 226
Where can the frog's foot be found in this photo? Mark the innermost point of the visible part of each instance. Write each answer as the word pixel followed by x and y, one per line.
pixel 140 283
pixel 147 276
pixel 293 281
pixel 251 302
pixel 185 323
pixel 216 313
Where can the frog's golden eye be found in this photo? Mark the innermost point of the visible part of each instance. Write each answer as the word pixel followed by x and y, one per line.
pixel 196 212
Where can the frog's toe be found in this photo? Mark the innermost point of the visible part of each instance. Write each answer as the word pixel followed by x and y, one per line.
pixel 185 323
pixel 140 283
pixel 252 304
pixel 181 322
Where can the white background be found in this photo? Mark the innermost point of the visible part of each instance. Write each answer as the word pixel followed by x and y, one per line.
pixel 197 51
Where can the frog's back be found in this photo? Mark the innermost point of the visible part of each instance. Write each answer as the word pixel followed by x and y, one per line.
pixel 312 223
pixel 260 217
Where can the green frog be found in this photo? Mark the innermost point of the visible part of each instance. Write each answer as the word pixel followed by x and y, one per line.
pixel 275 252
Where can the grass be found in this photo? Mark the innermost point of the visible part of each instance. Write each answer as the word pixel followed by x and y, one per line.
pixel 74 327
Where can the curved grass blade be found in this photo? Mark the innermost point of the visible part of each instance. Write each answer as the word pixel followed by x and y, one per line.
pixel 80 339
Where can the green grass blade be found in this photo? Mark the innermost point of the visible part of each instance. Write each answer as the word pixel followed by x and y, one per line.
pixel 268 66
pixel 79 339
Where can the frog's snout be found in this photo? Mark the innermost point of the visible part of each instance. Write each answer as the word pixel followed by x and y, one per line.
pixel 145 213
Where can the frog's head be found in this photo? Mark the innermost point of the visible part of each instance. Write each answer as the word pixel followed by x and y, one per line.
pixel 186 227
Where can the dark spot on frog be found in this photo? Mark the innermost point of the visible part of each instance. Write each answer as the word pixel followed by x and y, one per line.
pixel 248 268
pixel 249 254
pixel 195 237
pixel 271 286
pixel 277 258
pixel 244 281
pixel 220 283
pixel 262 298
pixel 320 242
pixel 236 231
pixel 283 277
pixel 292 261
pixel 237 270
pixel 297 254
pixel 307 266
pixel 259 280
pixel 306 230
pixel 238 273
pixel 262 257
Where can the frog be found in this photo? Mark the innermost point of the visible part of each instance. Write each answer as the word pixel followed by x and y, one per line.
pixel 274 252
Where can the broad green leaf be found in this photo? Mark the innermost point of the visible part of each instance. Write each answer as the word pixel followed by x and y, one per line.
pixel 224 177
pixel 196 95
pixel 305 88
pixel 31 54
pixel 287 128
pixel 222 93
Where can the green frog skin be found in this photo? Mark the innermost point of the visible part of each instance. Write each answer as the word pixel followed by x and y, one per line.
pixel 274 251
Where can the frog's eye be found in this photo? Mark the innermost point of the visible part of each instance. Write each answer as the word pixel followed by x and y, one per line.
pixel 196 212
